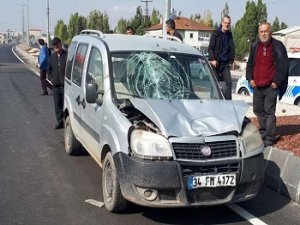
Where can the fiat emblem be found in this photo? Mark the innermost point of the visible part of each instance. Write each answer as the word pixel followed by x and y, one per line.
pixel 206 151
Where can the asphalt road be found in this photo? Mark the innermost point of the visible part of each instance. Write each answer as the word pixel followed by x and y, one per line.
pixel 40 184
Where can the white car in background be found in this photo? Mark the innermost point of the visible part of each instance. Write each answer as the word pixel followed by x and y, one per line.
pixel 292 94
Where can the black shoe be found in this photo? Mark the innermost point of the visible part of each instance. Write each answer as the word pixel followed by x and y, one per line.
pixel 45 93
pixel 58 126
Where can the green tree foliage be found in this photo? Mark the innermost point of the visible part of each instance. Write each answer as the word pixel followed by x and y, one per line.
pixel 61 31
pixel 207 20
pixel 155 17
pixel 76 24
pixel 283 26
pixel 121 26
pixel 138 21
pixel 225 11
pixel 245 30
pixel 276 25
pixel 97 20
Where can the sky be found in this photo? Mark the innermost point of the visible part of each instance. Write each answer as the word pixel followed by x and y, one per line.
pixel 11 10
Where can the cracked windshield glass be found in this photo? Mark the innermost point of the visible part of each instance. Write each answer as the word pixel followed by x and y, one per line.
pixel 166 76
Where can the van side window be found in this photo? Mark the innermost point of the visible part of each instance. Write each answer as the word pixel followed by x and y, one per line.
pixel 70 59
pixel 95 69
pixel 79 63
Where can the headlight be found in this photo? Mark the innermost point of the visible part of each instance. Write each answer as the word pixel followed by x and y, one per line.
pixel 148 145
pixel 252 140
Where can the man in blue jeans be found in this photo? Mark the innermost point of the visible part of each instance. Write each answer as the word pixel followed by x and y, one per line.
pixel 267 72
pixel 221 52
pixel 56 73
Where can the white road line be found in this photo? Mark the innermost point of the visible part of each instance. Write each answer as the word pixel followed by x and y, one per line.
pixel 95 203
pixel 35 72
pixel 12 49
pixel 246 215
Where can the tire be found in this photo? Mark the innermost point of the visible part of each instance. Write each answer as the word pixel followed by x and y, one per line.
pixel 244 91
pixel 113 199
pixel 297 102
pixel 72 145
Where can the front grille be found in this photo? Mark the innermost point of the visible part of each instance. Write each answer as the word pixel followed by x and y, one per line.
pixel 192 151
pixel 167 194
pixel 210 169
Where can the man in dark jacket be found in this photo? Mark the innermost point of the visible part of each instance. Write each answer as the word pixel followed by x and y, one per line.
pixel 56 73
pixel 171 29
pixel 267 72
pixel 221 52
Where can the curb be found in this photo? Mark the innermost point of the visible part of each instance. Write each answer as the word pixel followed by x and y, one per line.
pixel 282 173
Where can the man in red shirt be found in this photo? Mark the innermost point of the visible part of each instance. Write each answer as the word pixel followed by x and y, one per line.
pixel 267 72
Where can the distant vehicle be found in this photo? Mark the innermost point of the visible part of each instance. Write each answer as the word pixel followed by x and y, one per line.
pixel 292 95
pixel 151 114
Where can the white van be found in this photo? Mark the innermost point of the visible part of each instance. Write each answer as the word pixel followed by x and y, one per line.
pixel 151 114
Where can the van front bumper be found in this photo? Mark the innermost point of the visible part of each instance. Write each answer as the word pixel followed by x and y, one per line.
pixel 164 183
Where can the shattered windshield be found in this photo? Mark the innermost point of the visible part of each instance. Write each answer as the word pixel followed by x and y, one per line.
pixel 162 75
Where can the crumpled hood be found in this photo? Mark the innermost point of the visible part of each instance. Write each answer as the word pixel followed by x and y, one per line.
pixel 184 118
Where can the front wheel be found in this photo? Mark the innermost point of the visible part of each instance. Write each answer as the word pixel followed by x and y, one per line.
pixel 113 199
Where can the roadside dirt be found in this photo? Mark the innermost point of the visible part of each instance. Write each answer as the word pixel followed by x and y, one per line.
pixel 289 129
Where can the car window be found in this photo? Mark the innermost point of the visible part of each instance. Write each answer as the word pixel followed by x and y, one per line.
pixel 70 59
pixel 95 69
pixel 79 63
pixel 294 68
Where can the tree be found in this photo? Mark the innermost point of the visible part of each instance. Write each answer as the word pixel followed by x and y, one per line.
pixel 98 21
pixel 61 31
pixel 225 11
pixel 245 30
pixel 138 21
pixel 76 24
pixel 262 14
pixel 207 20
pixel 276 25
pixel 155 17
pixel 283 26
pixel 121 26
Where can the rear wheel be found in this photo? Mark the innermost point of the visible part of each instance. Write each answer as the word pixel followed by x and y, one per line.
pixel 297 102
pixel 113 199
pixel 244 91
pixel 72 145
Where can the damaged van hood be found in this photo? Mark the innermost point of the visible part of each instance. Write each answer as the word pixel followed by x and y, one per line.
pixel 184 118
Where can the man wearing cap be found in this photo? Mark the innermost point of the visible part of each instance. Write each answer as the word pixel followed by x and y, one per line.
pixel 171 29
pixel 43 65
pixel 56 73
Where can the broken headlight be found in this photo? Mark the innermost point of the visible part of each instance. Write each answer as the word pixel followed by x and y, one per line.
pixel 252 140
pixel 148 145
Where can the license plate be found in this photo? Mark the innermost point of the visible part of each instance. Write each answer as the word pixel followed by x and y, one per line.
pixel 222 180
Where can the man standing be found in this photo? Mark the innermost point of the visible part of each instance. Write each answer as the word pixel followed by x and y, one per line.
pixel 171 29
pixel 221 52
pixel 56 72
pixel 43 65
pixel 267 72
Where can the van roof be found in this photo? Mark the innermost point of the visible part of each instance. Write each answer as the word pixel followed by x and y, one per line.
pixel 121 42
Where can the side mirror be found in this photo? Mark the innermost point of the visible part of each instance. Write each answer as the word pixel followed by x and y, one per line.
pixel 91 92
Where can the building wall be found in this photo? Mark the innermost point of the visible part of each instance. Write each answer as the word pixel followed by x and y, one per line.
pixel 291 40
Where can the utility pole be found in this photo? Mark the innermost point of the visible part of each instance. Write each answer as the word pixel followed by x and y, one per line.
pixel 166 16
pixel 48 22
pixel 27 23
pixel 147 9
pixel 22 5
